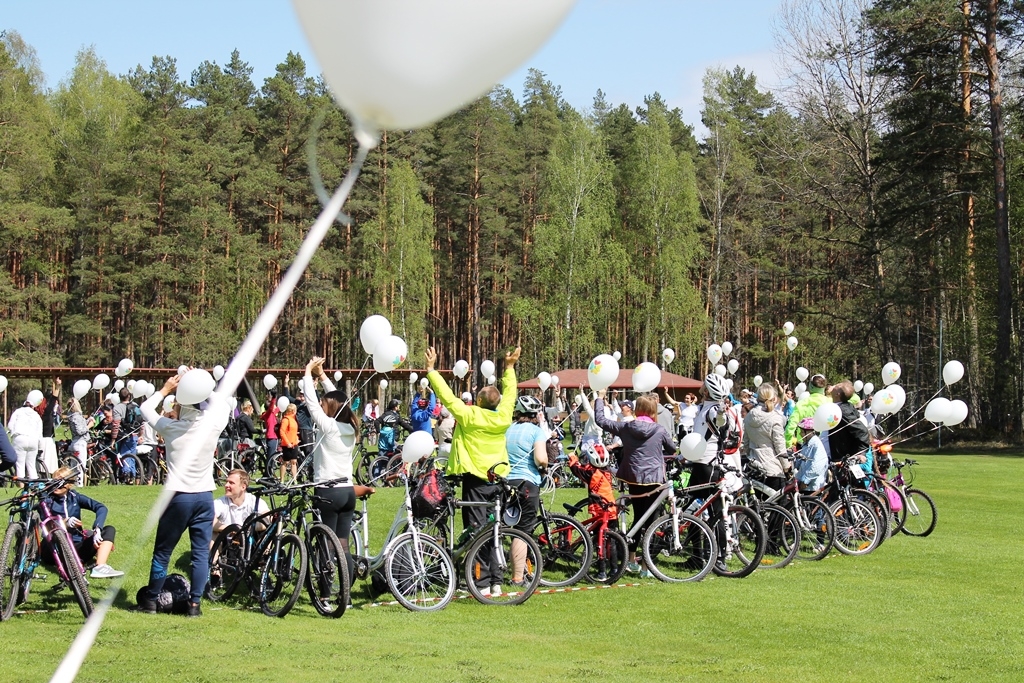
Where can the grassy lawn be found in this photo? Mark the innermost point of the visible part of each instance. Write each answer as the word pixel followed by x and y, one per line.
pixel 946 607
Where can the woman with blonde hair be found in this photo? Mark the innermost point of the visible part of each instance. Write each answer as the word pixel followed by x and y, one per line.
pixel 764 437
pixel 79 435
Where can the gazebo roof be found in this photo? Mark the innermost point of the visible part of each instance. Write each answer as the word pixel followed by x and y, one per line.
pixel 574 377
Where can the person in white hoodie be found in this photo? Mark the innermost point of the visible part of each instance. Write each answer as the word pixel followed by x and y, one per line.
pixel 26 429
pixel 191 443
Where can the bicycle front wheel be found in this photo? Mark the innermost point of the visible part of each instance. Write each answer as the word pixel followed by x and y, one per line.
pixel 746 540
pixel 492 568
pixel 783 537
pixel 282 576
pixel 817 529
pixel 420 574
pixel 566 548
pixel 227 564
pixel 921 514
pixel 858 530
pixel 679 551
pixel 327 580
pixel 72 569
pixel 10 564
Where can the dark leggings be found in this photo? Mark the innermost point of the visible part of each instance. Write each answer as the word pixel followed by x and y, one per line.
pixel 640 508
pixel 336 512
pixel 703 473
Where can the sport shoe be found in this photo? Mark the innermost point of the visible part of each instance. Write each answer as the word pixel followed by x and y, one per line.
pixel 601 576
pixel 194 610
pixel 485 591
pixel 633 568
pixel 495 590
pixel 646 574
pixel 105 571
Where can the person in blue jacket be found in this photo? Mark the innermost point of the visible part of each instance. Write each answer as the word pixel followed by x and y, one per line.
pixel 95 544
pixel 8 457
pixel 422 410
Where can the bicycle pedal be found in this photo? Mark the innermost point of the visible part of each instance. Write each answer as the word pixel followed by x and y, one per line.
pixel 39 577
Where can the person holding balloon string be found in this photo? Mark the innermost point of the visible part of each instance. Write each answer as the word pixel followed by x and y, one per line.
pixel 850 437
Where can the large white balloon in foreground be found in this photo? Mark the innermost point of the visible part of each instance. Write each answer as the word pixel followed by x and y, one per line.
pixel 646 377
pixel 406 63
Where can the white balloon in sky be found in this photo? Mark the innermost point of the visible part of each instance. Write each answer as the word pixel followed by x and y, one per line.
pixel 399 64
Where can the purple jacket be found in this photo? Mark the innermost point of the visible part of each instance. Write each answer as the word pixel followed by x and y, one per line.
pixel 644 447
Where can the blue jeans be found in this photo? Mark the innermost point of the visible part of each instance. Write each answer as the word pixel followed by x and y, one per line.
pixel 192 511
pixel 127 445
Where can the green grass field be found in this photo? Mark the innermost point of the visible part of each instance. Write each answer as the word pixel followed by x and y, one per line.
pixel 946 607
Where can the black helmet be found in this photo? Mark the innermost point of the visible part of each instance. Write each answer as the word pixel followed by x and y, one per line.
pixel 528 405
pixel 394 403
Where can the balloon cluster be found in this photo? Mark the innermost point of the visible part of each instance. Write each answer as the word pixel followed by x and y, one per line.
pixel 388 350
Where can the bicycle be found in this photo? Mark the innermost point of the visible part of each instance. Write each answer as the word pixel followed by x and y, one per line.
pixel 29 531
pixel 565 546
pixel 418 571
pixel 858 527
pixel 921 513
pixel 815 521
pixel 260 545
pixel 781 525
pixel 609 550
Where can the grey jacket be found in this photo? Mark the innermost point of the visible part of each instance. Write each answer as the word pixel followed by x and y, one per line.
pixel 644 447
pixel 764 439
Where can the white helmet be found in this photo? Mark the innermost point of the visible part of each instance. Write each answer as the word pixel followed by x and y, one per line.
pixel 715 387
pixel 597 455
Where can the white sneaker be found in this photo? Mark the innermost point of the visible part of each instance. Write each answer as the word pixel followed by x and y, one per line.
pixel 496 590
pixel 485 591
pixel 104 571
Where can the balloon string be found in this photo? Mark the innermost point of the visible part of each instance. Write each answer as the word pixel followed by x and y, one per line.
pixel 360 373
pixel 919 409
pixel 233 375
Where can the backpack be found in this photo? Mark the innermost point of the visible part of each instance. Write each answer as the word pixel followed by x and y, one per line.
pixel 173 597
pixel 430 496
pixel 132 419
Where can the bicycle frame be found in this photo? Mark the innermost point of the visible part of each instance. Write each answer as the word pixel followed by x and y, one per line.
pixel 403 518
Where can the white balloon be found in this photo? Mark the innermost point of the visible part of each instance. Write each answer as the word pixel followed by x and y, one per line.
pixel 492 379
pixel 130 384
pixel 728 385
pixel 3 384
pixel 232 402
pixel 406 63
pixel 957 413
pixel 113 398
pixel 869 388
pixel 383 384
pixel 733 366
pixel 802 374
pixel 791 343
pixel 897 392
pixel 544 381
pixel 418 445
pixel 126 366
pixel 119 385
pixel 578 400
pixel 218 372
pixel 372 331
pixel 714 353
pixel 283 403
pixel 800 389
pixel 938 410
pixel 668 355
pixel 35 397
pixel 118 372
pixel 139 390
pixel 693 446
pixel 891 372
pixel 150 389
pixel 337 375
pixel 804 396
pixel 952 372
pixel 788 327
pixel 757 381
pixel 487 369
pixel 602 371
pixel 269 381
pixel 81 388
pixel 827 416
pixel 726 348
pixel 424 382
pixel 101 381
pixel 195 386
pixel 858 385
pixel 389 354
pixel 182 369
pixel 554 381
pixel 617 356
pixel 461 369
pixel 646 377
pixel 413 376
pixel 169 402
pixel 720 370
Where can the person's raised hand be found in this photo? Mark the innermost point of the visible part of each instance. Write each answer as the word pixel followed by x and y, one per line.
pixel 601 393
pixel 170 385
pixel 512 357
pixel 429 358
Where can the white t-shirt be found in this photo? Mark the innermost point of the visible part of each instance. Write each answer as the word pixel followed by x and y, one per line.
pixel 687 416
pixel 225 512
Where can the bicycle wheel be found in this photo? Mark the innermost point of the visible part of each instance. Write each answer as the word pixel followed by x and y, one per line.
pixel 747 540
pixel 679 551
pixel 282 575
pixel 101 473
pixel 75 465
pixel 880 505
pixel 72 570
pixel 490 566
pixel 327 580
pixel 361 466
pixel 817 529
pixel 436 528
pixel 273 468
pixel 378 470
pixel 608 563
pixel 566 548
pixel 150 471
pixel 897 518
pixel 395 475
pixel 783 537
pixel 227 564
pixel 131 469
pixel 858 529
pixel 11 561
pixel 420 574
pixel 921 514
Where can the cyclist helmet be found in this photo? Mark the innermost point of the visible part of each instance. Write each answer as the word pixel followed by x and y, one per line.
pixel 597 455
pixel 528 405
pixel 715 387
pixel 393 404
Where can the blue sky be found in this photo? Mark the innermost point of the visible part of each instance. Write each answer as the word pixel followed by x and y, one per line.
pixel 628 48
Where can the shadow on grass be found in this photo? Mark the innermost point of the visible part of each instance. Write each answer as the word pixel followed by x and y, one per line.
pixel 996 450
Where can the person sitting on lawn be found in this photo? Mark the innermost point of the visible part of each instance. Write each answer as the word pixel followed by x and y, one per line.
pixel 235 506
pixel 92 545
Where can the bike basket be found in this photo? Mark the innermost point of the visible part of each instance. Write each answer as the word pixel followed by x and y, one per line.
pixel 430 496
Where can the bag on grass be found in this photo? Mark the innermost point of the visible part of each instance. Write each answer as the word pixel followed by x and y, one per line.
pixel 173 598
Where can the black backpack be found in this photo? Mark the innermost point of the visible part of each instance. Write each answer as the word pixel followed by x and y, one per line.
pixel 430 496
pixel 132 419
pixel 173 598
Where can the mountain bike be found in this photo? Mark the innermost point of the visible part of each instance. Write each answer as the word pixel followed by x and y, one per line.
pixel 565 545
pixel 817 525
pixel 32 537
pixel 921 513
pixel 781 525
pixel 859 529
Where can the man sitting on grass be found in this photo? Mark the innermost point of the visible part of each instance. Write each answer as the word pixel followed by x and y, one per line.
pixel 235 506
